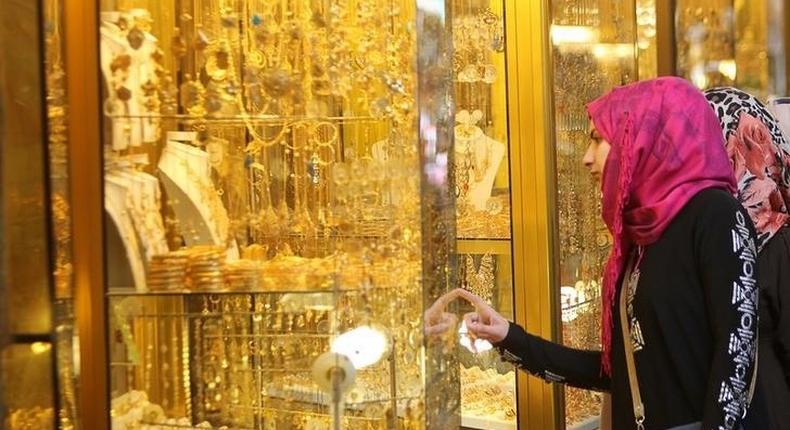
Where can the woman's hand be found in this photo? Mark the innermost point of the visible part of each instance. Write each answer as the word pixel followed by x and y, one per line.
pixel 485 323
pixel 437 320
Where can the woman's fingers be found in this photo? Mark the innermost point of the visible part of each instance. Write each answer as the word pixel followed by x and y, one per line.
pixel 477 327
pixel 441 324
pixel 480 324
pixel 471 298
pixel 437 329
pixel 471 318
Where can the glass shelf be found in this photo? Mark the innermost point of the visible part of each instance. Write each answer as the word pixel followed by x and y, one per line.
pixel 131 292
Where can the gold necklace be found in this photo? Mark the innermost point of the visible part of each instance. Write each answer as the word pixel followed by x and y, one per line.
pixel 480 281
pixel 208 192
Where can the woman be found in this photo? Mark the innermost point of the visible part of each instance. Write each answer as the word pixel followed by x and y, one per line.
pixel 760 157
pixel 688 248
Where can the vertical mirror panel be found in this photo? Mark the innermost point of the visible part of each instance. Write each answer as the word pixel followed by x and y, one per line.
pixel 66 339
pixel 26 361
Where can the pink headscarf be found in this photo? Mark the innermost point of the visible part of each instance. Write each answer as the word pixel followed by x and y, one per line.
pixel 666 147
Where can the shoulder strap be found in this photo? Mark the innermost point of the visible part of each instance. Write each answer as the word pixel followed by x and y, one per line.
pixel 636 396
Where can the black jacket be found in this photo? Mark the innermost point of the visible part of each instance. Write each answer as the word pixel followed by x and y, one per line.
pixel 696 309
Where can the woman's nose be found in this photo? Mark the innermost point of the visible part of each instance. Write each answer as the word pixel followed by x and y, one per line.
pixel 589 157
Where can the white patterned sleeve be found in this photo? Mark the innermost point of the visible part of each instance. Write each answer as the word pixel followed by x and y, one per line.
pixel 727 258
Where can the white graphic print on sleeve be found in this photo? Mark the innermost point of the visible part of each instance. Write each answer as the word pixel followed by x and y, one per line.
pixel 734 392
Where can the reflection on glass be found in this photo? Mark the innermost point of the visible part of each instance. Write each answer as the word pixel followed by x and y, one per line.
pixel 60 201
pixel 24 367
pixel 594 47
pixel 25 235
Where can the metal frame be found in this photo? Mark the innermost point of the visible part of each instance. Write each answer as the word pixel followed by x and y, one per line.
pixel 532 195
pixel 665 37
pixel 82 85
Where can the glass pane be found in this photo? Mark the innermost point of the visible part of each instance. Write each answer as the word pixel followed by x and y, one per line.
pixel 705 38
pixel 25 235
pixel 149 352
pixel 263 208
pixel 646 38
pixel 759 47
pixel 732 42
pixel 593 48
pixel 488 384
pixel 28 386
pixel 481 140
pixel 482 180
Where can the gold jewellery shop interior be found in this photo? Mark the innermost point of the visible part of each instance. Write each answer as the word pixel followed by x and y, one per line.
pixel 233 214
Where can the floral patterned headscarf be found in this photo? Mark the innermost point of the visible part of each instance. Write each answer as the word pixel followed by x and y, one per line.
pixel 759 155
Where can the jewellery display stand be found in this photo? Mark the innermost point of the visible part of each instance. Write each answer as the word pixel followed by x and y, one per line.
pixel 479 146
pixel 122 235
pixel 184 171
pixel 127 66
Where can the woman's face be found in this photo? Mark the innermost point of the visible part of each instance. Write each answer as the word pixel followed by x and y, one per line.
pixel 595 157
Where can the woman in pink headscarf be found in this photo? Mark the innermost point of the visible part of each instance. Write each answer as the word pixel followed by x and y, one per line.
pixel 682 270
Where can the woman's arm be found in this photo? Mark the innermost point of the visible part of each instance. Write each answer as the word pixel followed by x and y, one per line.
pixel 553 362
pixel 547 360
pixel 727 260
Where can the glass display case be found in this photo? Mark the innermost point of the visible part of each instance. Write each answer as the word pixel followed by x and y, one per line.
pixel 277 194
pixel 278 212
pixel 732 43
pixel 37 336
